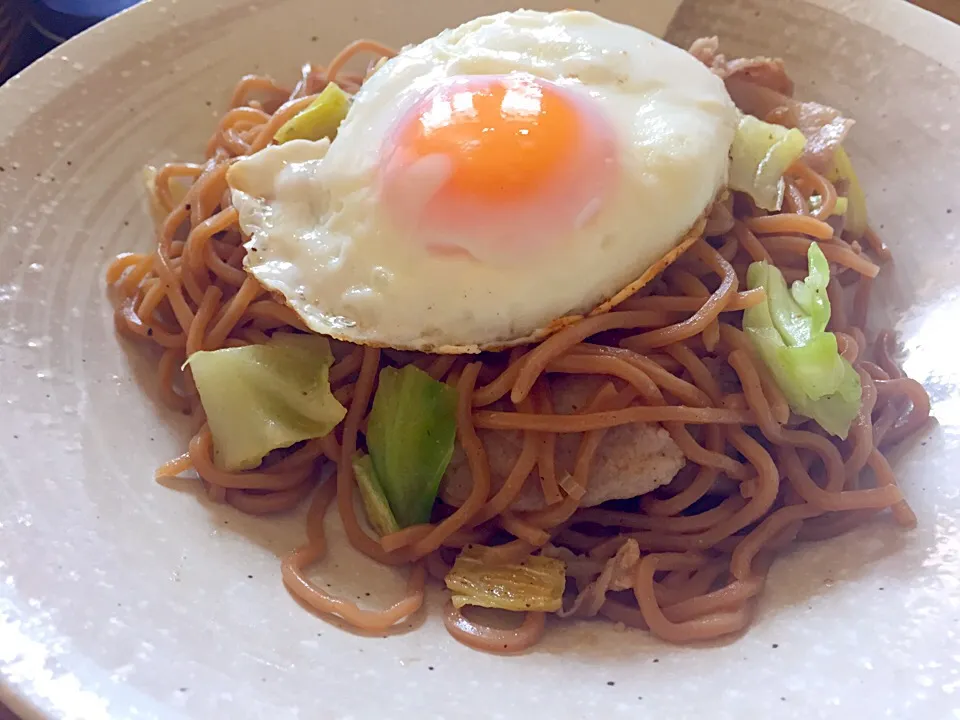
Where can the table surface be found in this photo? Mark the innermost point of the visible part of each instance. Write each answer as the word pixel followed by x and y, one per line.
pixel 949 9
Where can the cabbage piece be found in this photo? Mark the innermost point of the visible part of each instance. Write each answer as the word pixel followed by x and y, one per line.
pixel 376 66
pixel 856 210
pixel 178 187
pixel 760 154
pixel 259 398
pixel 371 493
pixel 410 437
pixel 840 208
pixel 535 584
pixel 320 119
pixel 789 333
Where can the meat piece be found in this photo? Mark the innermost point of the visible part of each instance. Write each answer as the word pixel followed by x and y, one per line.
pixel 617 574
pixel 631 460
pixel 760 87
pixel 824 127
pixel 762 71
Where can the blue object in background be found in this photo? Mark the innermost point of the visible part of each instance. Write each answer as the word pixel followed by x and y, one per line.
pixel 51 22
pixel 60 20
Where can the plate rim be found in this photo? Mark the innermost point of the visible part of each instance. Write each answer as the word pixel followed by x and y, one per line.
pixel 30 91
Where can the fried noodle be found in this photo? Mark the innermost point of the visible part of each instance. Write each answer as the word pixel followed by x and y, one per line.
pixel 757 480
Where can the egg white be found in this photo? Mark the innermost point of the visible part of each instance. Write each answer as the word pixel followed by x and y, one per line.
pixel 319 237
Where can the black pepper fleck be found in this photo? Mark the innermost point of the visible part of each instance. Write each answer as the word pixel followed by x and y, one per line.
pixel 183 689
pixel 783 699
pixel 208 103
pixel 880 588
pixel 949 210
pixel 656 659
pixel 16 437
pixel 126 223
pixel 430 668
pixel 69 163
pixel 611 683
pixel 775 646
pixel 250 577
pixel 314 38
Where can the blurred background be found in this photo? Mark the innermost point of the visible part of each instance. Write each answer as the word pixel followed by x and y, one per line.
pixel 30 28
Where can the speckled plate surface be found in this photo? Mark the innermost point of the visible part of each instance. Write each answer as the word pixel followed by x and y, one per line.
pixel 123 599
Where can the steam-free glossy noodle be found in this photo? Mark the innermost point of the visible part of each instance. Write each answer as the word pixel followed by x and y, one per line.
pixel 688 561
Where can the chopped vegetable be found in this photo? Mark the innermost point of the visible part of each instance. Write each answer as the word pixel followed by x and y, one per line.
pixel 856 215
pixel 376 66
pixel 178 188
pixel 760 154
pixel 320 119
pixel 374 501
pixel 789 333
pixel 535 584
pixel 410 437
pixel 259 398
pixel 839 208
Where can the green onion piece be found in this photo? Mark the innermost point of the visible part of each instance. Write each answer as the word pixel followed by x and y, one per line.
pixel 789 333
pixel 374 501
pixel 320 119
pixel 410 437
pixel 760 155
pixel 259 398
pixel 534 584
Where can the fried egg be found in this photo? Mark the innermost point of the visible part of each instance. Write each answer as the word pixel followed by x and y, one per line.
pixel 491 184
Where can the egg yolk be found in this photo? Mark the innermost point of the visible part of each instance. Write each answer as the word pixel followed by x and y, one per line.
pixel 505 137
pixel 493 163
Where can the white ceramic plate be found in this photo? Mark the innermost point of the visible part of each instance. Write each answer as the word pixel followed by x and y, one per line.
pixel 120 598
